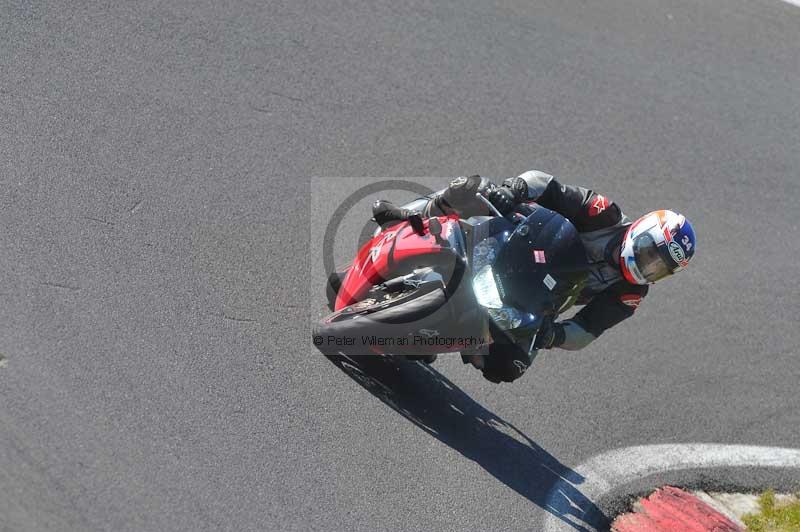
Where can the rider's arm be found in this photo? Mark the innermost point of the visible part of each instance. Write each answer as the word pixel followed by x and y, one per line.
pixel 460 198
pixel 608 308
pixel 587 210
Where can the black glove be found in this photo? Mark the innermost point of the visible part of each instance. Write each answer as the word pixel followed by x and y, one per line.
pixel 461 190
pixel 502 198
pixel 415 220
pixel 550 335
pixel 518 186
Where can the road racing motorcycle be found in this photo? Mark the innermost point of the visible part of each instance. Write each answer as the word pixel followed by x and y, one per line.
pixel 454 284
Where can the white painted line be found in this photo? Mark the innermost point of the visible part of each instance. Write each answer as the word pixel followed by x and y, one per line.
pixel 604 472
pixel 793 2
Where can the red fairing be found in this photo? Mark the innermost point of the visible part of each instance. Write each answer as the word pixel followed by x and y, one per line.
pixel 377 259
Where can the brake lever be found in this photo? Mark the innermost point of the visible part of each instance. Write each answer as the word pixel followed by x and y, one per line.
pixel 488 204
pixel 511 216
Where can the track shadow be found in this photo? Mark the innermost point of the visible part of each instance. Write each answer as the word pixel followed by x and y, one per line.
pixel 433 403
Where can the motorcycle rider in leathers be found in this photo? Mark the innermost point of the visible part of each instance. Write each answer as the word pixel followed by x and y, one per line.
pixel 624 256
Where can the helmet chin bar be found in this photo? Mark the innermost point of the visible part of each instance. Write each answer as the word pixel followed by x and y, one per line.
pixel 650 224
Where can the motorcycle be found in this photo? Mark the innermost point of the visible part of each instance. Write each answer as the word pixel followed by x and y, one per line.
pixel 455 285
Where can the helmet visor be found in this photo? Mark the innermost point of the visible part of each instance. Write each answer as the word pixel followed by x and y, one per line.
pixel 649 261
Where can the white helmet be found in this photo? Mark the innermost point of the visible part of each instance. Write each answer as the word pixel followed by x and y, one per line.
pixel 656 245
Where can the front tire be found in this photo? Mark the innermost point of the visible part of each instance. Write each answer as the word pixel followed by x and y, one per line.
pixel 343 332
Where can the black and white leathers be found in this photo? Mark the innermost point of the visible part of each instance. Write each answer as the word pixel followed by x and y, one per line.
pixel 607 298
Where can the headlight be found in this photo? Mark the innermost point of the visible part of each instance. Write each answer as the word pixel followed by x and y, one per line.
pixel 485 288
pixel 506 318
pixel 509 318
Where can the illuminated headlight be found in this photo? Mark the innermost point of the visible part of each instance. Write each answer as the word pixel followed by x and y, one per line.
pixel 485 288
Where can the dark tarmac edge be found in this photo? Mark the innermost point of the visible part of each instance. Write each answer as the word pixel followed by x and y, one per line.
pixel 621 498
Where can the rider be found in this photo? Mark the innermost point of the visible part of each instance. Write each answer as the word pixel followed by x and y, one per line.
pixel 625 256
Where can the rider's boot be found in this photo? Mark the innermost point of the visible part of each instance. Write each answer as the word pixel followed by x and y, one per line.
pixel 386 213
pixel 332 287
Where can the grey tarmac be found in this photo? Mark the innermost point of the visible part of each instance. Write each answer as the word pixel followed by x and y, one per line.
pixel 156 165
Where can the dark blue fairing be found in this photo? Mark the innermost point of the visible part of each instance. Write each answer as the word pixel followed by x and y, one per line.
pixel 542 264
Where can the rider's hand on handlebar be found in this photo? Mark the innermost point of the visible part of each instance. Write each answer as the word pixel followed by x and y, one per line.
pixel 518 186
pixel 503 199
pixel 550 335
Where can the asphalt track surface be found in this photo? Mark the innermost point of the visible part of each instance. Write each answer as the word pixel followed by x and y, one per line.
pixel 156 165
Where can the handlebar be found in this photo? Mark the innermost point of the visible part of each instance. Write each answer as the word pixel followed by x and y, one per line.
pixel 488 204
pixel 510 216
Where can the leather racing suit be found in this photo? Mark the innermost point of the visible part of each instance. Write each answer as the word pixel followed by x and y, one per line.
pixel 607 299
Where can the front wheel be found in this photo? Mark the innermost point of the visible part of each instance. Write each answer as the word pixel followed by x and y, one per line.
pixel 373 327
pixel 427 359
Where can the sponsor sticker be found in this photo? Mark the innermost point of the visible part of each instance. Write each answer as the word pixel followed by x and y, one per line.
pixel 676 252
pixel 538 256
pixel 375 251
pixel 549 282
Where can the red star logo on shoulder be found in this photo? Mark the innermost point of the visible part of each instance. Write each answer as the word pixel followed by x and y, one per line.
pixel 599 204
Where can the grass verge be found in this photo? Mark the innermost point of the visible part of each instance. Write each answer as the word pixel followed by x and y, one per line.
pixel 774 517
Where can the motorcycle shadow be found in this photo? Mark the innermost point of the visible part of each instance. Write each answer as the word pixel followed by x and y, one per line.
pixel 433 403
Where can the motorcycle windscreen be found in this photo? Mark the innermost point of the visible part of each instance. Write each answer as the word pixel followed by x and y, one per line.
pixel 542 264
